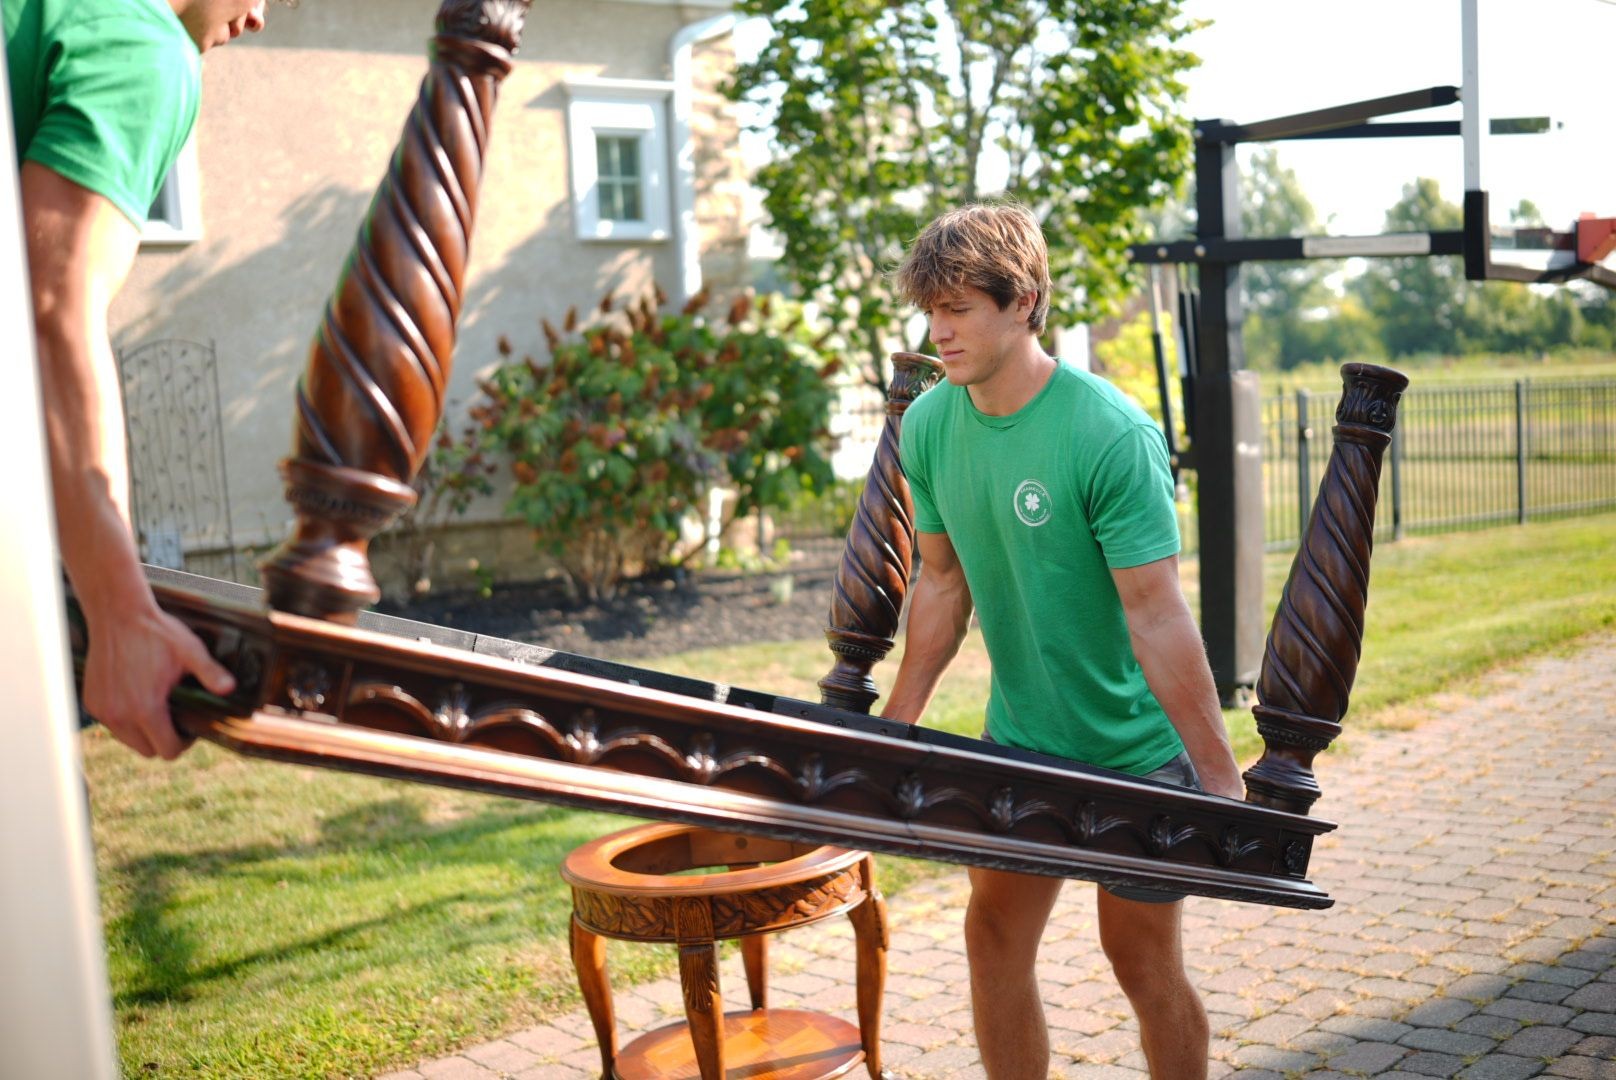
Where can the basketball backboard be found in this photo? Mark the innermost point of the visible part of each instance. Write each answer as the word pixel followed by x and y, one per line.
pixel 1536 129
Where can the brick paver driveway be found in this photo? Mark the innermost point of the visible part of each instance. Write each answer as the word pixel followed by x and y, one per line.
pixel 1474 933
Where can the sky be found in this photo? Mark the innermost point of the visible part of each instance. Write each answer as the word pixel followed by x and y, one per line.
pixel 1268 58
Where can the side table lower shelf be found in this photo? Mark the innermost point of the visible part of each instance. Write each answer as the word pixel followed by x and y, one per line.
pixel 782 1044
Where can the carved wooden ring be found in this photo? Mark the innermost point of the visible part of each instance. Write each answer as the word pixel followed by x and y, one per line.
pixel 627 885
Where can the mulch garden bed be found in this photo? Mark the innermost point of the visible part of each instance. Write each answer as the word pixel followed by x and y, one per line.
pixel 653 616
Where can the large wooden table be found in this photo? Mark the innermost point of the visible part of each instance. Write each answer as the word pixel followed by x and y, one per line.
pixel 321 682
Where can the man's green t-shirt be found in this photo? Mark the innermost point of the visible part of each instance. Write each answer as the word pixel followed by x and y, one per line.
pixel 1040 506
pixel 104 92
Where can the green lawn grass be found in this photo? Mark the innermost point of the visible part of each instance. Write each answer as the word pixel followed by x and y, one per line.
pixel 264 921
pixel 1475 368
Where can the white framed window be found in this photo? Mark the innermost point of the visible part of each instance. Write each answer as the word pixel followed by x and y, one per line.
pixel 175 216
pixel 617 135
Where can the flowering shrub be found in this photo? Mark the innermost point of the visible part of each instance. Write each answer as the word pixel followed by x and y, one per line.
pixel 640 413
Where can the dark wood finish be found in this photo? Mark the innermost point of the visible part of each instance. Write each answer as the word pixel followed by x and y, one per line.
pixel 372 395
pixel 316 692
pixel 633 885
pixel 873 577
pixel 1316 637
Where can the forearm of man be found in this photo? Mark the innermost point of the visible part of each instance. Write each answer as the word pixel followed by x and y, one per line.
pixel 89 468
pixel 939 616
pixel 80 248
pixel 1168 646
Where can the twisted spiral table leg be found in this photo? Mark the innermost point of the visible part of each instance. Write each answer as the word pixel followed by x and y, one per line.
pixel 1317 635
pixel 373 392
pixel 873 577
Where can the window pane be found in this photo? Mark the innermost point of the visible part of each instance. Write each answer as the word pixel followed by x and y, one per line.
pixel 617 165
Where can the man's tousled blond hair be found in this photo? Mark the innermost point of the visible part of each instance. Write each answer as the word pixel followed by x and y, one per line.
pixel 996 247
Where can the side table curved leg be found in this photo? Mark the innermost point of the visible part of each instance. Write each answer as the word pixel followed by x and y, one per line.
pixel 755 955
pixel 704 1006
pixel 589 960
pixel 870 934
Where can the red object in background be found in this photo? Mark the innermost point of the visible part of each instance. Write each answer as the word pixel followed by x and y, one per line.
pixel 1596 238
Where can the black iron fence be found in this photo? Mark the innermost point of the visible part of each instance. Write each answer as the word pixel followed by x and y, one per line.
pixel 1464 457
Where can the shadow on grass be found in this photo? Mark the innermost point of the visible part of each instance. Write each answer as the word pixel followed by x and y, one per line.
pixel 387 842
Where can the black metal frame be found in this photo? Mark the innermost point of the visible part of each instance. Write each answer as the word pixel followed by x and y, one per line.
pixel 1229 496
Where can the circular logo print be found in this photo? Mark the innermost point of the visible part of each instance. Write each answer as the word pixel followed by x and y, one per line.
pixel 1033 505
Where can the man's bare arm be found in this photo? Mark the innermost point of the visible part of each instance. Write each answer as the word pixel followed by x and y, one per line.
pixel 80 248
pixel 939 616
pixel 1168 646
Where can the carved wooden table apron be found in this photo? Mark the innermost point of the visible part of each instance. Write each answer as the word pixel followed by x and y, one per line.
pixel 630 886
pixel 318 685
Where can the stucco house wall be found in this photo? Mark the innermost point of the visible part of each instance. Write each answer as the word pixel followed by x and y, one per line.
pixel 296 128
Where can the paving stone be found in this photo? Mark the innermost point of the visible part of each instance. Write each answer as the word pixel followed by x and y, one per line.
pixel 1427 1063
pixel 1581 1068
pixel 1586 959
pixel 1368 1057
pixel 503 1056
pixel 1276 1028
pixel 1366 1028
pixel 944 1061
pixel 1448 1042
pixel 1502 1067
pixel 1599 1046
pixel 1440 1012
pixel 1594 1023
pixel 1479 988
pixel 555 1072
pixel 1551 993
pixel 1541 1041
pixel 1531 1012
pixel 1322 1042
pixel 1272 1057
pixel 1104 1048
pixel 1494 1027
pixel 1553 973
pixel 1599 995
pixel 457 1068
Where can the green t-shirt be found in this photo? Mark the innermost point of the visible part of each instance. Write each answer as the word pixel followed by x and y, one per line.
pixel 1040 506
pixel 103 92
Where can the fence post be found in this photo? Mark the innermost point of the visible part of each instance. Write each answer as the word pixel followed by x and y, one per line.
pixel 1304 489
pixel 1520 451
pixel 1397 478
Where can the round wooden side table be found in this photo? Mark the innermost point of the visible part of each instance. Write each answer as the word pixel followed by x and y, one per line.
pixel 636 885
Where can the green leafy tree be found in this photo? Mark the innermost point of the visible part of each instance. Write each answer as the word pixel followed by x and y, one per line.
pixel 884 113
pixel 1420 301
pixel 1128 360
pixel 1283 299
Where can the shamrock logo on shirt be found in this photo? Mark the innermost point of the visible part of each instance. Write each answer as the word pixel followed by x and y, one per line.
pixel 1032 503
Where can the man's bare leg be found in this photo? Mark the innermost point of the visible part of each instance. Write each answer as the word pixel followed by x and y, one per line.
pixel 1003 926
pixel 1144 944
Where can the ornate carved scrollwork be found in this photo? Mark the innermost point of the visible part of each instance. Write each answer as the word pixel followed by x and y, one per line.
pixel 373 391
pixel 497 717
pixel 873 577
pixel 1317 635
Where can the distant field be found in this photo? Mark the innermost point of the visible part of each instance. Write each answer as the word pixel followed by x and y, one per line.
pixel 1584 364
